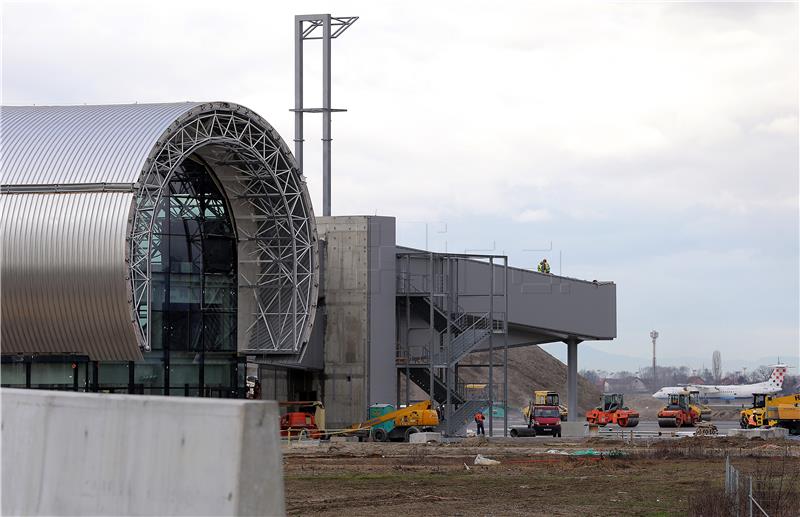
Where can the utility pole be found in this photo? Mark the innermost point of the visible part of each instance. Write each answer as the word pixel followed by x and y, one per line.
pixel 654 336
pixel 326 28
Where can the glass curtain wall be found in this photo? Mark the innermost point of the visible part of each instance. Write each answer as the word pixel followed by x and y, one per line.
pixel 194 277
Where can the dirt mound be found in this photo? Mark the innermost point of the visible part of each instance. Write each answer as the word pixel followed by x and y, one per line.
pixel 530 368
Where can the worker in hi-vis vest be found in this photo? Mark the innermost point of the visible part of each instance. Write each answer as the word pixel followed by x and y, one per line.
pixel 479 418
pixel 544 267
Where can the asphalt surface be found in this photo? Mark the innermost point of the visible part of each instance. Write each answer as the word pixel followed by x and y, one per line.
pixel 723 426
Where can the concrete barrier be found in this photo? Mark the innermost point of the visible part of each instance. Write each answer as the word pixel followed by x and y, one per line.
pixel 764 432
pixel 89 454
pixel 344 439
pixel 425 437
pixel 573 429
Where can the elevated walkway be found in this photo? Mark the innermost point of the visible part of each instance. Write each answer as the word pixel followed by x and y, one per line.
pixel 451 305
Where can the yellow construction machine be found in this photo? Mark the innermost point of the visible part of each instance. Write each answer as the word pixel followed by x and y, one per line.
pixel 701 409
pixel 771 411
pixel 399 424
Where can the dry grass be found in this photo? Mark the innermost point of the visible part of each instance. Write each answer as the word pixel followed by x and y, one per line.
pixel 776 487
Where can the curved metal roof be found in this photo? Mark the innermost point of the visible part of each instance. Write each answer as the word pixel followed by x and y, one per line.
pixel 79 186
pixel 58 145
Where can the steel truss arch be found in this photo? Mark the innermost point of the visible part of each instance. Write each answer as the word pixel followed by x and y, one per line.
pixel 272 213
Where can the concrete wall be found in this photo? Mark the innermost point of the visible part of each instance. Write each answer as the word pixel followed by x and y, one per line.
pixel 359 297
pixel 90 454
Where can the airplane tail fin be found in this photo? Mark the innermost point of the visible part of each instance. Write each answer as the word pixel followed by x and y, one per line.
pixel 778 373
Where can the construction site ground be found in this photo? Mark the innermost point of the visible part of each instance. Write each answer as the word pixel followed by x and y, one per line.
pixel 535 476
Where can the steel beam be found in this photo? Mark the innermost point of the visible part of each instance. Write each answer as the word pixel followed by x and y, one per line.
pixel 326 115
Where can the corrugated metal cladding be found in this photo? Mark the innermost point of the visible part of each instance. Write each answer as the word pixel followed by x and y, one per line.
pixel 72 180
pixel 63 270
pixel 46 145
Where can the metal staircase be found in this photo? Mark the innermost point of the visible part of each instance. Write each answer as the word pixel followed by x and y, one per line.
pixel 421 376
pixel 461 417
pixel 467 331
pixel 428 291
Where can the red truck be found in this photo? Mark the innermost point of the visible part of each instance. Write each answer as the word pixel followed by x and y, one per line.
pixel 541 420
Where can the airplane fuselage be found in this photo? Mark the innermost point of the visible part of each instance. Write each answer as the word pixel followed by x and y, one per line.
pixel 773 384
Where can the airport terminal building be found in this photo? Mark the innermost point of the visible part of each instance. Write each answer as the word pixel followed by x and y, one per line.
pixel 172 249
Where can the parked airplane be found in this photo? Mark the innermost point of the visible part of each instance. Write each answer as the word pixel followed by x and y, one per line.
pixel 731 392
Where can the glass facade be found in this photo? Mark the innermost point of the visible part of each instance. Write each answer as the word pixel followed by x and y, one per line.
pixel 193 285
pixel 193 312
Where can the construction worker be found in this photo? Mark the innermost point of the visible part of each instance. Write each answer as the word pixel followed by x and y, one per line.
pixel 752 421
pixel 544 267
pixel 479 418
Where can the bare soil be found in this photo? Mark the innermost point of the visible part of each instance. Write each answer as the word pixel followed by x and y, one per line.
pixel 403 479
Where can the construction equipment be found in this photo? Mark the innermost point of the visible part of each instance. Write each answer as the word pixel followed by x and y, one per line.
pixel 403 423
pixel 550 398
pixel 678 412
pixel 542 419
pixel 299 424
pixel 307 419
pixel 771 411
pixel 546 398
pixel 754 416
pixel 613 411
pixel 698 407
pixel 785 412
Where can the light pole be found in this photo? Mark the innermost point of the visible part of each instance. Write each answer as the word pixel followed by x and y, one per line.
pixel 654 336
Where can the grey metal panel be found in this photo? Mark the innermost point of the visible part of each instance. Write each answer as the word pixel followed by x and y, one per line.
pixel 43 145
pixel 573 307
pixel 63 275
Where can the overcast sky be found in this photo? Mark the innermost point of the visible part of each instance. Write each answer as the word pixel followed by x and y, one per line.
pixel 652 144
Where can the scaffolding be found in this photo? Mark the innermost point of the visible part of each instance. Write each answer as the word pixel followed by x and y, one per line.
pixel 430 288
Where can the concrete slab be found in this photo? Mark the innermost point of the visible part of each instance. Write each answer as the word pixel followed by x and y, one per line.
pixel 343 439
pixel 90 454
pixel 765 433
pixel 304 443
pixel 573 429
pixel 425 437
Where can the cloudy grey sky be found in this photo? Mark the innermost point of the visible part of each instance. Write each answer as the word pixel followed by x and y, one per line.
pixel 653 144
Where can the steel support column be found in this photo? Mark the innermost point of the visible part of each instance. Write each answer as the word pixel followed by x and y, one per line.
pixel 432 328
pixel 491 346
pixel 298 92
pixel 505 346
pixel 326 115
pixel 572 379
pixel 408 330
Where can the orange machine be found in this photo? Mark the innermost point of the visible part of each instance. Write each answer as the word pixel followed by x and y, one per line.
pixel 613 411
pixel 679 412
pixel 304 419
pixel 299 424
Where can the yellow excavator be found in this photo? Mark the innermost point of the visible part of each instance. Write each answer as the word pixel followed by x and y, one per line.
pixel 399 424
pixel 771 411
